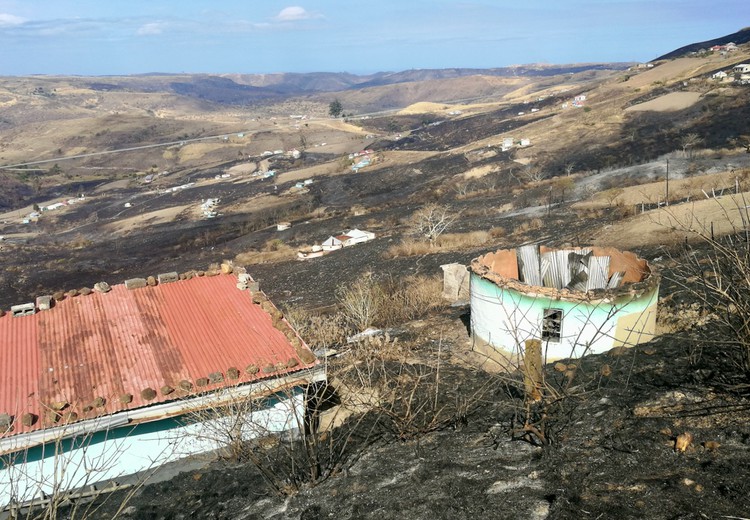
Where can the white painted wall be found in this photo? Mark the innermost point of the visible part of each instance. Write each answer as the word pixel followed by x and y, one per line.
pixel 506 319
pixel 55 467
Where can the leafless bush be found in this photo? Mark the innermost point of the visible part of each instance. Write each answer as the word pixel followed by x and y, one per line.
pixel 360 301
pixel 65 482
pixel 409 298
pixel 431 221
pixel 408 398
pixel 716 275
pixel 320 331
pixel 290 453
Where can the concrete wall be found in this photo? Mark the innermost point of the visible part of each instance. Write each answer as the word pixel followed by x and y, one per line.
pixel 86 459
pixel 505 319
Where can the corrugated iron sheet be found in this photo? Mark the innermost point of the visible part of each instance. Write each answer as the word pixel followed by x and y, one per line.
pixel 598 272
pixel 124 341
pixel 616 280
pixel 530 265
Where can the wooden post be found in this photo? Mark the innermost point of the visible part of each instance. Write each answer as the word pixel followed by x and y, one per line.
pixel 533 369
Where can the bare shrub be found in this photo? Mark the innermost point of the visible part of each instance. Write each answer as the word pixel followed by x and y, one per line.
pixel 431 221
pixel 717 276
pixel 320 331
pixel 409 399
pixel 360 301
pixel 409 298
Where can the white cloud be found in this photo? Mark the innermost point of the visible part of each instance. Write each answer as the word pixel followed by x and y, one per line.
pixel 294 13
pixel 151 29
pixel 10 19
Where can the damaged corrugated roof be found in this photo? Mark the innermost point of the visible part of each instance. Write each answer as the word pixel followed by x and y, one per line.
pixel 102 353
pixel 573 269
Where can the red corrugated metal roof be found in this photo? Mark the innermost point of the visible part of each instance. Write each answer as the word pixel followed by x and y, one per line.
pixel 124 341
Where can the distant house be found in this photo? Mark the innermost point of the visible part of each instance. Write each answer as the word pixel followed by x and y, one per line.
pixel 717 48
pixel 525 142
pixel 103 384
pixel 507 144
pixel 742 68
pixel 332 243
pixel 579 100
pixel 719 75
pixel 356 236
pixel 731 46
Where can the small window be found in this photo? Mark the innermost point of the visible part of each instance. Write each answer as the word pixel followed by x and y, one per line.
pixel 552 324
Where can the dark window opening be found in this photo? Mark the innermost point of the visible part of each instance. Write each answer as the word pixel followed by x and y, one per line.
pixel 552 324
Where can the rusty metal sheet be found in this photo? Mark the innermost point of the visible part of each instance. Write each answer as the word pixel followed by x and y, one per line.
pixel 103 345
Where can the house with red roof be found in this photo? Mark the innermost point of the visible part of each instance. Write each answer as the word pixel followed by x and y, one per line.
pixel 111 381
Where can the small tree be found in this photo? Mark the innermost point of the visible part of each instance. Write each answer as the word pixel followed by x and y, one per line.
pixel 688 142
pixel 533 173
pixel 432 220
pixel 335 108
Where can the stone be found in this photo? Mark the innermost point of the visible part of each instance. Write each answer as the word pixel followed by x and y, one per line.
pixel 29 419
pixel 135 283
pixel 683 442
pixel 99 402
pixel 618 351
pixel 292 363
pixel 148 394
pixel 252 369
pixel 168 277
pixel 185 385
pixel 44 303
pixel 605 370
pixel 102 287
pixel 5 421
pixel 58 296
pixel 227 268
pixel 201 381
pixel 166 390
pixel 455 282
pixel 69 417
pixel 85 291
pixel 268 369
pixel 126 398
pixel 216 377
pixel 233 373
pixel 151 281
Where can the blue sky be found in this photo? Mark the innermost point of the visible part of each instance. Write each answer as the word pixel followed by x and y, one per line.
pixel 104 37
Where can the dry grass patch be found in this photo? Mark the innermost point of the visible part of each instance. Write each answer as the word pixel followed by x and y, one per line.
pixel 529 225
pixel 274 250
pixel 445 242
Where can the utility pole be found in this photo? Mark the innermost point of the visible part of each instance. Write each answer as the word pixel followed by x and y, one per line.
pixel 666 199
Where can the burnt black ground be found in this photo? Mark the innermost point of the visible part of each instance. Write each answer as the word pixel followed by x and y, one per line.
pixel 611 455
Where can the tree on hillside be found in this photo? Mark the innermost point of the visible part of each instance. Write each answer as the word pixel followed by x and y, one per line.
pixel 335 108
pixel 688 142
pixel 432 220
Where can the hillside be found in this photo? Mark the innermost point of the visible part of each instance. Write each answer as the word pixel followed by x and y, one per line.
pixel 740 37
pixel 118 172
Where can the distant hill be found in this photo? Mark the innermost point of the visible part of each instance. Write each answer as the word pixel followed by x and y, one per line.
pixel 741 36
pixel 244 89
